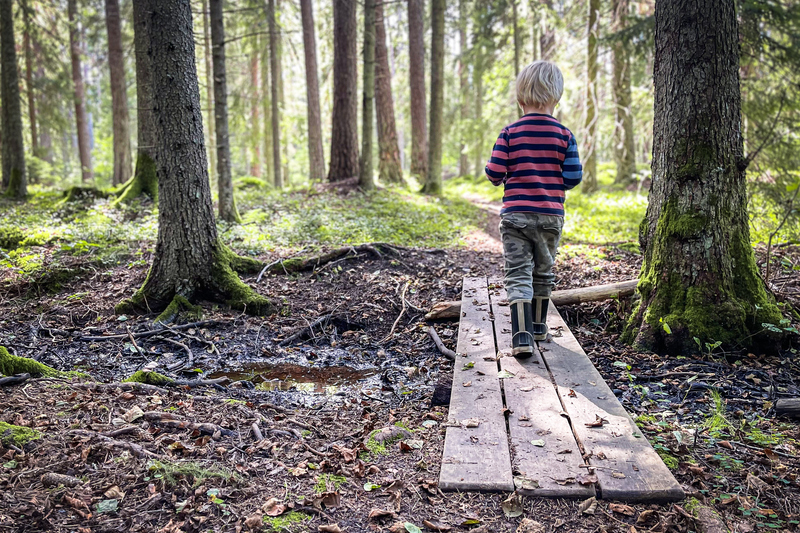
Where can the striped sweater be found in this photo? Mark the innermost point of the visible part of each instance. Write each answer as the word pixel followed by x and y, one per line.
pixel 537 160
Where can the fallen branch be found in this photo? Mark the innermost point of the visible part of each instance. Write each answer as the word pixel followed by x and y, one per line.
pixel 16 379
pixel 172 421
pixel 133 342
pixel 149 333
pixel 108 442
pixel 308 329
pixel 445 351
pixel 402 312
pixel 291 266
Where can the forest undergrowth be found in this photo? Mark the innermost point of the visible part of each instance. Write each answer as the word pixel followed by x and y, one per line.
pixel 273 423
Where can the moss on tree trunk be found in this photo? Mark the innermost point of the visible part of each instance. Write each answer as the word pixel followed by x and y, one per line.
pixel 149 378
pixel 144 181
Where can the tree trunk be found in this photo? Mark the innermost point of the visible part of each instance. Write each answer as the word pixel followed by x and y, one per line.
pixel 266 110
pixel 144 176
pixel 81 121
pixel 416 76
pixel 210 133
pixel 227 207
pixel 366 180
pixel 624 151
pixel 190 262
pixel 433 185
pixel 590 133
pixel 477 80
pixel 26 37
pixel 275 67
pixel 119 96
pixel 255 129
pixel 547 41
pixel 463 81
pixel 698 277
pixel 389 169
pixel 344 133
pixel 316 157
pixel 281 96
pixel 13 148
pixel 516 35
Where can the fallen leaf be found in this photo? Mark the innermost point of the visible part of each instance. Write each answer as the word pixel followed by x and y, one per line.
pixel 572 394
pixel 526 389
pixel 646 516
pixel 436 526
pixel 348 454
pixel 467 384
pixel 381 513
pixel 471 423
pixel 525 483
pixel 598 422
pixel 254 521
pixel 588 506
pixel 331 528
pixel 114 493
pixel 411 528
pixel 370 486
pixel 106 506
pixel 538 442
pixel 627 510
pixel 505 374
pixel 725 444
pixel 530 526
pixel 586 479
pixel 273 507
pixel 755 482
pixel 512 506
pixel 618 475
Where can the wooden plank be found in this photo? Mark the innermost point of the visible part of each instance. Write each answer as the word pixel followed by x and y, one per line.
pixel 476 458
pixel 627 466
pixel 536 414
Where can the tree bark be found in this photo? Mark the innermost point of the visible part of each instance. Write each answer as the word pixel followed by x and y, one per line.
pixel 477 80
pixel 366 180
pixel 119 96
pixel 547 41
pixel 275 88
pixel 255 128
pixel 13 148
pixel 389 169
pixel 589 184
pixel 316 157
pixel 81 121
pixel 463 82
pixel 26 37
pixel 699 277
pixel 433 185
pixel 416 76
pixel 210 133
pixel 344 134
pixel 144 176
pixel 189 262
pixel 266 109
pixel 516 35
pixel 227 207
pixel 624 150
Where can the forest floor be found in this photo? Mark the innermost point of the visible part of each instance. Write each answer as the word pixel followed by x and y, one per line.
pixel 185 457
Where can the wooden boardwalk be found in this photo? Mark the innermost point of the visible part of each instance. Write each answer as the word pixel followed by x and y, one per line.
pixel 522 424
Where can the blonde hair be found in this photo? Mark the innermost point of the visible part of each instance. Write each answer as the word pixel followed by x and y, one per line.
pixel 540 84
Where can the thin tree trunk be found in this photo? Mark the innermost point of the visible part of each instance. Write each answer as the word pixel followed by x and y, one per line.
pixel 517 36
pixel 389 169
pixel 477 80
pixel 416 76
pixel 266 110
pixel 210 134
pixel 274 60
pixel 81 120
pixel 255 128
pixel 624 150
pixel 589 184
pixel 463 80
pixel 119 96
pixel 547 41
pixel 281 93
pixel 433 185
pixel 227 207
pixel 316 157
pixel 366 180
pixel 13 148
pixel 344 133
pixel 699 277
pixel 189 262
pixel 26 38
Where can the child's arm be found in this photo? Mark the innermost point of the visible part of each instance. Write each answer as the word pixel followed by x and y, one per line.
pixel 571 168
pixel 496 168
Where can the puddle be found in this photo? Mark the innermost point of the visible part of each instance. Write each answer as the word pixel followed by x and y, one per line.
pixel 288 376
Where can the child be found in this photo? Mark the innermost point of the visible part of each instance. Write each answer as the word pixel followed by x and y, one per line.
pixel 537 160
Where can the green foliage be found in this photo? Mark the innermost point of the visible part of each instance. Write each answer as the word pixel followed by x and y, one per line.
pixel 327 482
pixel 17 435
pixel 10 237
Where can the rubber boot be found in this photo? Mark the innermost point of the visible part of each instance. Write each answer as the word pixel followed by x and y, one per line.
pixel 521 327
pixel 540 304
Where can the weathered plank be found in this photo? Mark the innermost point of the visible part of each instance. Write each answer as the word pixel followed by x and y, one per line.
pixel 476 458
pixel 627 466
pixel 536 415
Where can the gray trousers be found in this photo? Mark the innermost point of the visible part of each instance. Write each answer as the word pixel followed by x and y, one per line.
pixel 530 243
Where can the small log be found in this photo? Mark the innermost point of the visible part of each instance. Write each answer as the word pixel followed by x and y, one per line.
pixel 16 379
pixel 451 310
pixel 445 351
pixel 788 407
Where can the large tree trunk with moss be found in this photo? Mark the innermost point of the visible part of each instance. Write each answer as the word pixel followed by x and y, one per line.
pixel 190 262
pixel 365 178
pixel 344 133
pixel 389 169
pixel 211 135
pixel 463 82
pixel 275 89
pixel 699 277
pixel 416 77
pixel 119 96
pixel 27 38
pixel 144 179
pixel 624 151
pixel 13 147
pixel 316 158
pixel 589 184
pixel 433 185
pixel 227 207
pixel 79 93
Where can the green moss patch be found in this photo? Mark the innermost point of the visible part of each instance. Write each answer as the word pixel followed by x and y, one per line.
pixel 10 237
pixel 286 522
pixel 180 306
pixel 149 378
pixel 12 364
pixel 17 435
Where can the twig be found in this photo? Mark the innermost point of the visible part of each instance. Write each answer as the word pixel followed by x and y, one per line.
pixel 445 351
pixel 257 432
pixel 194 338
pixel 298 334
pixel 135 449
pixel 402 312
pixel 149 333
pixel 190 359
pixel 133 341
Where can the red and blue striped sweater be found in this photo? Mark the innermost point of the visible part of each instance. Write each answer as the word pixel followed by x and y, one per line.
pixel 537 160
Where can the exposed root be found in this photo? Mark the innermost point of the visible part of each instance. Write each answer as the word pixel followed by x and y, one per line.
pixel 179 306
pixel 149 378
pixel 12 364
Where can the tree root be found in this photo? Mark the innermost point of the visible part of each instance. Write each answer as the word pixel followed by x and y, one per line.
pixel 108 442
pixel 76 194
pixel 291 266
pixel 144 181
pixel 11 364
